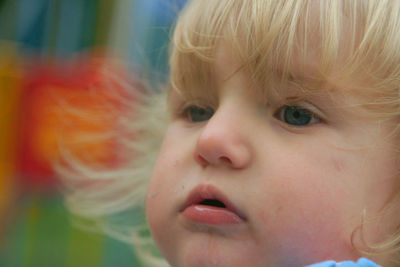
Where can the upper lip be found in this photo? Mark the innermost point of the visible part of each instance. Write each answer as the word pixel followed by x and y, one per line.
pixel 202 192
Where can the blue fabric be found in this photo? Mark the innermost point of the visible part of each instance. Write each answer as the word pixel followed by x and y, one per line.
pixel 363 262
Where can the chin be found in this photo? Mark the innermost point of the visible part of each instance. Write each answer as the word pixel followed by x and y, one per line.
pixel 200 259
pixel 214 251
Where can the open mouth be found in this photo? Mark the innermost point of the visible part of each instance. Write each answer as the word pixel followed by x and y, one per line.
pixel 207 205
pixel 212 203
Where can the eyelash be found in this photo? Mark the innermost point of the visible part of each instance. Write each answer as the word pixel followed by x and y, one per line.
pixel 284 114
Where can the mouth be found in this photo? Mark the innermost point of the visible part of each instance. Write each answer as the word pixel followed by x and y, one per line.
pixel 207 205
pixel 212 203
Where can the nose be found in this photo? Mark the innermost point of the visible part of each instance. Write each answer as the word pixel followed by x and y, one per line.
pixel 223 142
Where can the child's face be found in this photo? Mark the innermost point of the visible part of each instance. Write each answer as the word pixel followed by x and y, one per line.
pixel 294 185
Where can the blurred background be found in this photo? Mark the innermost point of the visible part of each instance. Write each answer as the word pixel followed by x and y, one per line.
pixel 50 51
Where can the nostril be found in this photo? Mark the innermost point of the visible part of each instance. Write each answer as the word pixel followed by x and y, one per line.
pixel 202 161
pixel 225 160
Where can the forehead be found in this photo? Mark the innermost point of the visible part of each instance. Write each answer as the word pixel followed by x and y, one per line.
pixel 309 43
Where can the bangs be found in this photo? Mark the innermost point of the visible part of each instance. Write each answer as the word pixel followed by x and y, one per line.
pixel 305 43
pixel 251 31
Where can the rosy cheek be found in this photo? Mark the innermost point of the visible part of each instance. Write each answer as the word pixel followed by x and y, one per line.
pixel 155 191
pixel 338 164
pixel 152 204
pixel 155 207
pixel 305 222
pixel 162 185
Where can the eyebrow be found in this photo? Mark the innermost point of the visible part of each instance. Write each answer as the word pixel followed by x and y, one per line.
pixel 310 82
pixel 302 77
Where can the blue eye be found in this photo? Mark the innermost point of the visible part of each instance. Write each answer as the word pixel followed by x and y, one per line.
pixel 297 116
pixel 199 114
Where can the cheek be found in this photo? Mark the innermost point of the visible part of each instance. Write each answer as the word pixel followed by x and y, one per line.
pixel 153 203
pixel 308 225
pixel 164 177
pixel 308 213
pixel 157 204
pixel 168 179
pixel 158 188
pixel 338 164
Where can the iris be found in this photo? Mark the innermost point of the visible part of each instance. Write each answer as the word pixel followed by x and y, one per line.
pixel 297 116
pixel 199 114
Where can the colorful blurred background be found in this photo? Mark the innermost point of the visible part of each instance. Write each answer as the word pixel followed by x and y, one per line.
pixel 54 52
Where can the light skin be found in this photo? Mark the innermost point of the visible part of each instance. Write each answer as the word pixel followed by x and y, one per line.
pixel 302 188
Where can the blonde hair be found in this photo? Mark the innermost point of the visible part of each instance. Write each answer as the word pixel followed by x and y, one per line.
pixel 110 198
pixel 265 37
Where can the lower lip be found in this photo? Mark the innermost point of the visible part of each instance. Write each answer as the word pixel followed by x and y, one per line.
pixel 211 215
